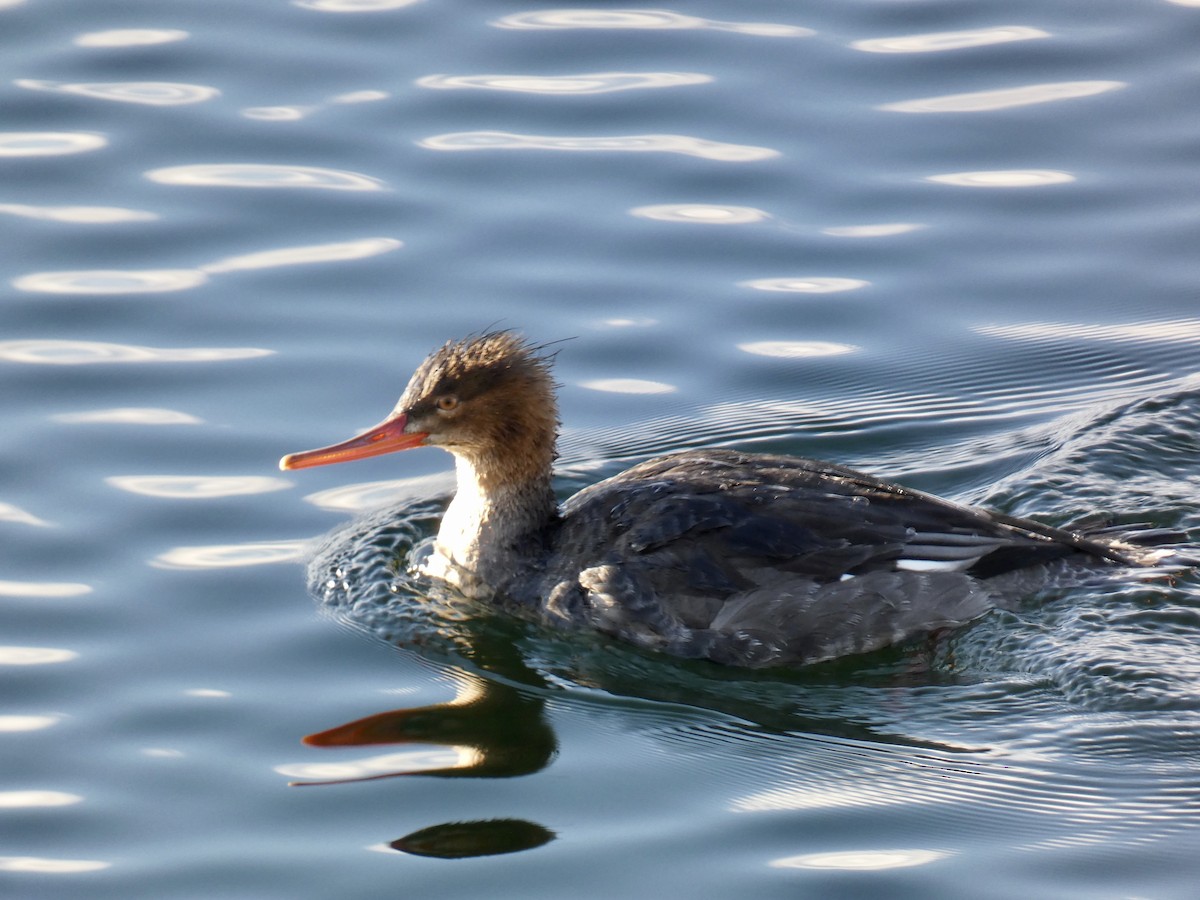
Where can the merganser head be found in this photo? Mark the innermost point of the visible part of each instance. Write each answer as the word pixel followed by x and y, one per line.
pixel 485 398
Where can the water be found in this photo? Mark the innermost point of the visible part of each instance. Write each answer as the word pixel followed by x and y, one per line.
pixel 949 243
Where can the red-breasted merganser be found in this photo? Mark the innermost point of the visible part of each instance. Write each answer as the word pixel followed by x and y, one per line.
pixel 742 558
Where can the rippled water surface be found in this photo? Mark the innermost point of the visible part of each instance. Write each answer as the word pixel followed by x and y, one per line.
pixel 950 243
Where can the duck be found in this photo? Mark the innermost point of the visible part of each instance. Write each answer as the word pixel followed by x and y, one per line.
pixel 744 559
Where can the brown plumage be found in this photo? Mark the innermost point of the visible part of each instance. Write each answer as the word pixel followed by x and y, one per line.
pixel 742 558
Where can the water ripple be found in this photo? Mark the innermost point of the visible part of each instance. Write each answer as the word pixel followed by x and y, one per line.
pixel 80 215
pixel 295 113
pixel 197 487
pixel 129 415
pixel 43 588
pixel 638 143
pixel 646 19
pixel 860 860
pixel 149 93
pixel 111 281
pixel 814 285
pixel 12 513
pixel 373 494
pixel 1172 331
pixel 35 656
pixel 278 113
pixel 949 40
pixel 796 349
pixel 260 175
pixel 593 83
pixel 628 386
pixel 701 213
pixel 1005 98
pixel 78 353
pixel 150 281
pixel 1004 178
pixel 885 229
pixel 44 865
pixel 130 37
pixel 227 556
pixel 48 143
pixel 12 724
pixel 353 6
pixel 431 759
pixel 33 799
pixel 316 253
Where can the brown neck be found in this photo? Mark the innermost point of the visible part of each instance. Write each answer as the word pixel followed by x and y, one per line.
pixel 499 503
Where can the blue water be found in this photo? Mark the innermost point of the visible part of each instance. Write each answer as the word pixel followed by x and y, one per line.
pixel 949 243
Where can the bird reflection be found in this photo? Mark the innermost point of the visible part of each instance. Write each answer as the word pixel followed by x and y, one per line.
pixel 495 730
pixel 460 840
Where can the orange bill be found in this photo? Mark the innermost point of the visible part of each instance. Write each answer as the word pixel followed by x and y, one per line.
pixel 386 437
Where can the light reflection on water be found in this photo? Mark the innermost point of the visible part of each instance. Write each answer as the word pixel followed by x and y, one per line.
pixel 130 37
pixel 628 386
pixel 1172 331
pixel 43 588
pixel 812 285
pixel 704 214
pixel 594 83
pixel 10 724
pixel 1005 98
pixel 168 280
pixel 860 860
pixel 994 348
pixel 85 215
pixel 636 143
pixel 653 20
pixel 232 556
pixel 148 93
pixel 1004 179
pixel 796 349
pixel 35 656
pixel 197 487
pixel 129 415
pixel 48 143
pixel 10 512
pixel 47 866
pixel 265 175
pixel 888 229
pixel 82 353
pixel 353 6
pixel 111 281
pixel 949 40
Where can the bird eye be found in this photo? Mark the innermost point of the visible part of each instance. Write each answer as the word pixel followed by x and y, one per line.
pixel 447 402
